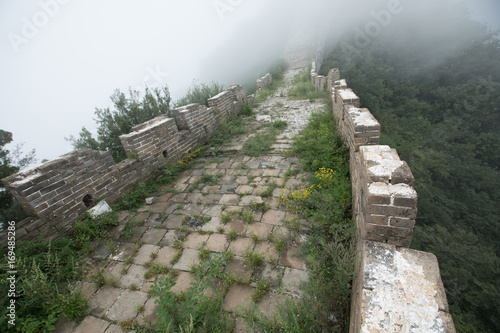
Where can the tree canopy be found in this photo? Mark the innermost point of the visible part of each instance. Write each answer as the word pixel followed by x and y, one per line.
pixel 10 163
pixel 128 112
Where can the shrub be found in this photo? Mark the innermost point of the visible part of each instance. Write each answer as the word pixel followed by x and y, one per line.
pixel 200 93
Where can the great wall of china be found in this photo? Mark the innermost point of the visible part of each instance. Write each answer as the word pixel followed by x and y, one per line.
pixel 396 288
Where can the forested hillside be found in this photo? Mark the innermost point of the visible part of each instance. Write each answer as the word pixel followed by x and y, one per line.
pixel 438 101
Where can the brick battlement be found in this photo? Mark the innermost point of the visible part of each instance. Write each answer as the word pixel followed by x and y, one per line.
pixel 58 192
pixel 396 289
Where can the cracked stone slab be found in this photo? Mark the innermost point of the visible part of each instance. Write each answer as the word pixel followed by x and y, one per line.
pixel 172 236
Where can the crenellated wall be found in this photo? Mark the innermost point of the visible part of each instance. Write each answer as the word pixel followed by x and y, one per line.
pixel 396 289
pixel 57 192
pixel 264 81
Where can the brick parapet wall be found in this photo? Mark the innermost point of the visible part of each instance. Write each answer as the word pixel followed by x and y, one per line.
pixel 58 192
pixel 264 81
pixel 401 284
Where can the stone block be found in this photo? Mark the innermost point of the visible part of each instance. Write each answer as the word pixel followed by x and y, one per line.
pixel 290 259
pixel 239 297
pixel 293 280
pixel 195 240
pixel 403 287
pixel 134 276
pixel 188 258
pixel 92 324
pixel 126 307
pixel 273 217
pixel 102 300
pixel 153 235
pixel 165 255
pixel 241 246
pixel 144 254
pixel 217 243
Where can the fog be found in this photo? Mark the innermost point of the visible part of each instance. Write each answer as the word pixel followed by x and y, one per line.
pixel 60 59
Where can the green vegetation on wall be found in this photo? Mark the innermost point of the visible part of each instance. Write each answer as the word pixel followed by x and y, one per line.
pixel 200 93
pixel 128 112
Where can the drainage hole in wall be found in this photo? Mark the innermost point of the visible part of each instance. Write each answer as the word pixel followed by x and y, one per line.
pixel 87 200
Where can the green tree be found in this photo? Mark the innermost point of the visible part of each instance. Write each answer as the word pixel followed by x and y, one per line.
pixel 10 163
pixel 128 112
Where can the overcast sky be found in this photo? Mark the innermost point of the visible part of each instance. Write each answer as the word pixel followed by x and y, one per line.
pixel 60 59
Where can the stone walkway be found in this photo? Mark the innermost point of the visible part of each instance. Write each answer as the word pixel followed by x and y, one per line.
pixel 238 210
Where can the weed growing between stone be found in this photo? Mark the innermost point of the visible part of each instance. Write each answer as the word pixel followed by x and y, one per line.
pixel 330 248
pixel 304 89
pixel 193 309
pixel 262 142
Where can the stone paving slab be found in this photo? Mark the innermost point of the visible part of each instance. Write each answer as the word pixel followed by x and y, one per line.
pixel 292 280
pixel 189 258
pixel 153 235
pixel 148 317
pixel 114 329
pixel 127 306
pixel 268 304
pixel 165 256
pixel 172 236
pixel 92 324
pixel 269 273
pixel 274 217
pixel 261 230
pixel 183 282
pixel 102 300
pixel 195 240
pixel 124 251
pixel 114 270
pixel 134 276
pixel 268 250
pixel 217 243
pixel 144 254
pixel 238 298
pixel 239 268
pixel 241 246
pixel 290 259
